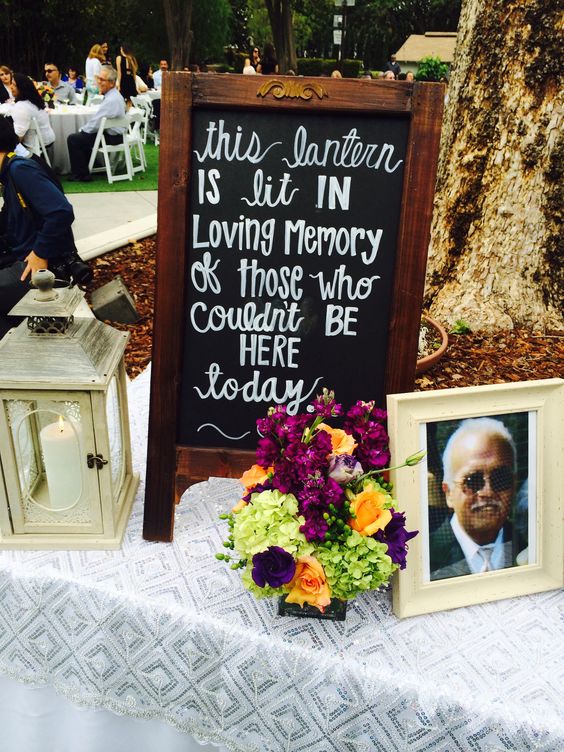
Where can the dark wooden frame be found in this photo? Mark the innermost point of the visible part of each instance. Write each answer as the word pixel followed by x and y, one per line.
pixel 172 468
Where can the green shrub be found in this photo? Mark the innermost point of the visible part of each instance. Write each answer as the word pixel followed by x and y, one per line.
pixel 431 69
pixel 310 66
pixel 352 68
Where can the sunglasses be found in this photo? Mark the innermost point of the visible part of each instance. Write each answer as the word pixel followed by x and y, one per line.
pixel 50 70
pixel 501 479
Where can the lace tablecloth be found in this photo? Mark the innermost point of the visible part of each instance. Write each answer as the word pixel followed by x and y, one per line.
pixel 166 631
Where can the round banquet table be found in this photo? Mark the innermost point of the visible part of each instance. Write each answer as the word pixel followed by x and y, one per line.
pixel 66 119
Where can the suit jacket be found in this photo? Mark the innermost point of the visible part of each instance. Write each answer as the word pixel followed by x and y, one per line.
pixel 447 558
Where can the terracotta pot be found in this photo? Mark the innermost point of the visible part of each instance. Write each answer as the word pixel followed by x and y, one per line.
pixel 429 361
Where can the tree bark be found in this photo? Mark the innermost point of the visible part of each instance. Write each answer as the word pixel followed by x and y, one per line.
pixel 178 18
pixel 282 25
pixel 495 257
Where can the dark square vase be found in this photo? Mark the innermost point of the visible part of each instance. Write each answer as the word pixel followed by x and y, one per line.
pixel 335 611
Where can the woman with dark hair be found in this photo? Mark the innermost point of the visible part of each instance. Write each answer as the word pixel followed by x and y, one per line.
pixel 126 66
pixel 5 81
pixel 29 105
pixel 255 58
pixel 269 63
pixel 74 79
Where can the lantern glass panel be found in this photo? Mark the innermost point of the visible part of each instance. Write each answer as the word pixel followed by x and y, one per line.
pixel 114 420
pixel 48 449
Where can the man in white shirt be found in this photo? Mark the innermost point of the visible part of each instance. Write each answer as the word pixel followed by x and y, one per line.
pixel 158 75
pixel 64 92
pixel 479 464
pixel 80 144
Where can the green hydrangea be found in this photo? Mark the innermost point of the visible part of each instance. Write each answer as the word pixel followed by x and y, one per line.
pixel 357 564
pixel 270 520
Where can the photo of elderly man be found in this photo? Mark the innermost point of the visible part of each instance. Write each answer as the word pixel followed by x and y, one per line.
pixel 482 530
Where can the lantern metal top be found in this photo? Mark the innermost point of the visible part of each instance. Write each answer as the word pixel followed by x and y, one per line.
pixel 46 300
pixel 61 352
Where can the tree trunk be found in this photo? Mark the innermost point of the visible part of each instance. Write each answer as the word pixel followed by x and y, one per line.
pixel 495 257
pixel 281 23
pixel 178 18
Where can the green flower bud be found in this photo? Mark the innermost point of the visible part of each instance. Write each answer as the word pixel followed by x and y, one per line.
pixel 415 459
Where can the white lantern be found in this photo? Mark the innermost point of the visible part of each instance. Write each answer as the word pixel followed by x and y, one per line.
pixel 66 478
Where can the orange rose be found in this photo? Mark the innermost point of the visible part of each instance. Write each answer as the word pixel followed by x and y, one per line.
pixel 255 474
pixel 250 478
pixel 371 516
pixel 341 442
pixel 309 584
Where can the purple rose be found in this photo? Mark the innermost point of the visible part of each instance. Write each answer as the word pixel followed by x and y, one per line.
pixel 274 567
pixel 343 468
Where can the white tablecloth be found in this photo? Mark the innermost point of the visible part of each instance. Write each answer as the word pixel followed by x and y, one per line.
pixel 167 632
pixel 64 121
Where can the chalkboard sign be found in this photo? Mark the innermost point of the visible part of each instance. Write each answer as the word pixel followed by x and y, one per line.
pixel 293 223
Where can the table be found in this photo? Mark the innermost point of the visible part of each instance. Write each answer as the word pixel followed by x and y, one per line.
pixel 166 632
pixel 67 119
pixel 64 119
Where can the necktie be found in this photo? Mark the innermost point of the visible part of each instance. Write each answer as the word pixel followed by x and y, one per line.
pixel 486 554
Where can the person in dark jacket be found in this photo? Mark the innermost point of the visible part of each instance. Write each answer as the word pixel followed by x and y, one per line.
pixel 35 222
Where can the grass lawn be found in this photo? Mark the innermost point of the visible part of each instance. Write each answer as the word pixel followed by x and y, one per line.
pixel 142 181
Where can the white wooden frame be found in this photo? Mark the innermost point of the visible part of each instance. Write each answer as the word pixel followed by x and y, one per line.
pixel 408 416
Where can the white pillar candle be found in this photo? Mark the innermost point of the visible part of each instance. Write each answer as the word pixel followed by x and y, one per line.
pixel 61 456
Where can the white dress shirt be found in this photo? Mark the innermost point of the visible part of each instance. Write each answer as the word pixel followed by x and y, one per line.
pixel 471 550
pixel 113 106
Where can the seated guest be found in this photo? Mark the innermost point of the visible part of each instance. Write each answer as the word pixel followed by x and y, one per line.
pixel 28 105
pixel 80 144
pixel 269 63
pixel 5 81
pixel 158 75
pixel 140 85
pixel 74 80
pixel 35 223
pixel 248 69
pixel 63 90
pixel 149 77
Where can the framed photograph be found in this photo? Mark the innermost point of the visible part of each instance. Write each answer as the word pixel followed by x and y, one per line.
pixel 487 499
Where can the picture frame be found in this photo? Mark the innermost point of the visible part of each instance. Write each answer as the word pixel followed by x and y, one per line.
pixel 468 487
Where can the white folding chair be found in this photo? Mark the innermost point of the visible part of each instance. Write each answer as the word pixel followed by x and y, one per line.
pixel 94 100
pixel 131 141
pixel 135 139
pixel 143 103
pixel 38 147
pixel 107 151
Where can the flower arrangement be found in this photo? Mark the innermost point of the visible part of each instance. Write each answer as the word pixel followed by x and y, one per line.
pixel 317 521
pixel 46 93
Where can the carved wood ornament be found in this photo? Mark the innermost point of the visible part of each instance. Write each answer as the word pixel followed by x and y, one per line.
pixel 291 89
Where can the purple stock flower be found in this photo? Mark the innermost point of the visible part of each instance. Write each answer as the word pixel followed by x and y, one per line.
pixel 267 451
pixel 274 567
pixel 343 468
pixel 314 498
pixel 324 405
pixel 395 536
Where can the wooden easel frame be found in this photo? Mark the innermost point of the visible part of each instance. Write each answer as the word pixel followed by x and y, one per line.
pixel 171 468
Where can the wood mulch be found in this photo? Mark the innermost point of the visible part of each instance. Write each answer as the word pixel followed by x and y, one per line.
pixel 471 359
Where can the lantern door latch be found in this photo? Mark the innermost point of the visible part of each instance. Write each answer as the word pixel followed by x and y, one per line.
pixel 95 460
